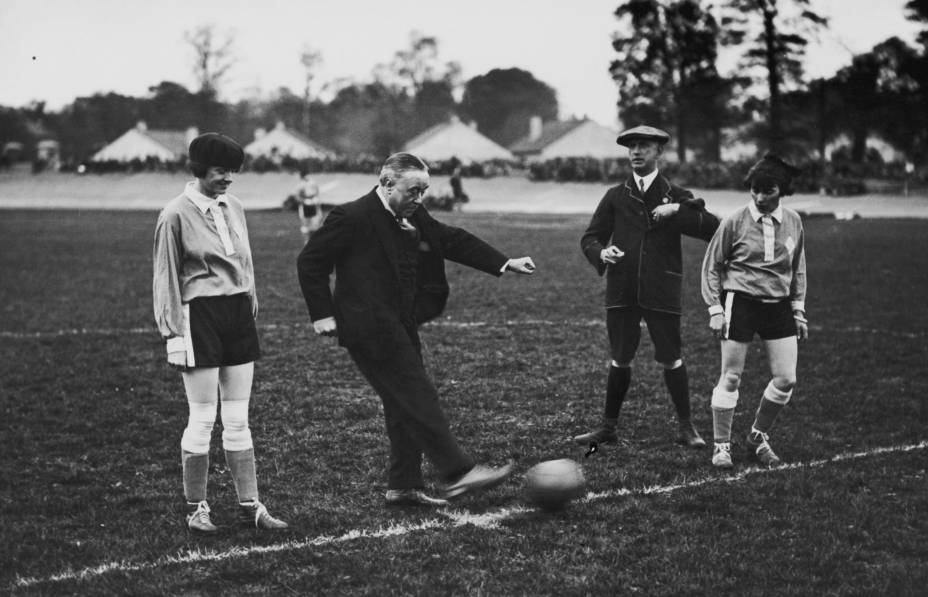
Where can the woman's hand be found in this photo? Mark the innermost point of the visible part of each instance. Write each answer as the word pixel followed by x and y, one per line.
pixel 802 325
pixel 717 325
pixel 178 360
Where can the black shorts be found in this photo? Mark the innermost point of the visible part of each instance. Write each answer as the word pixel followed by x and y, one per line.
pixel 747 316
pixel 624 327
pixel 309 211
pixel 222 330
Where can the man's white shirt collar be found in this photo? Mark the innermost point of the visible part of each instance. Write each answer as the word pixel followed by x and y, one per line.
pixel 386 204
pixel 756 214
pixel 202 202
pixel 647 180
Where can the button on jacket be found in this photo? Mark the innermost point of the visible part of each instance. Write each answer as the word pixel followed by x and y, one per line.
pixel 650 274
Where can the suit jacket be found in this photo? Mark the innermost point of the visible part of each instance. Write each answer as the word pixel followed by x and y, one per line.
pixel 358 242
pixel 650 274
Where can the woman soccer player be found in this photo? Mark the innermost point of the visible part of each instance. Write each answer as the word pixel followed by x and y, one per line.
pixel 754 281
pixel 205 307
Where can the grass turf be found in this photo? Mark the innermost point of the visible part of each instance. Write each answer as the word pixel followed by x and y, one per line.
pixel 91 420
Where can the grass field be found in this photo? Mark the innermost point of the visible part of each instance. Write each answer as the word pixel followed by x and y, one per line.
pixel 92 417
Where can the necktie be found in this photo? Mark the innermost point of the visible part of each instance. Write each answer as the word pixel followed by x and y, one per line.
pixel 769 236
pixel 222 228
pixel 641 186
pixel 406 226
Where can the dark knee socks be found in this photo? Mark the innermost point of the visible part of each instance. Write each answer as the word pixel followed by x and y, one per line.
pixel 616 389
pixel 679 386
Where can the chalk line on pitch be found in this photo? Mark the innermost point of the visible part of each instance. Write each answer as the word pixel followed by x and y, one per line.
pixel 433 324
pixel 486 520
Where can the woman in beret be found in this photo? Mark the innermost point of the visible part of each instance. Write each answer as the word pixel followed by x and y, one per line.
pixel 205 307
pixel 754 282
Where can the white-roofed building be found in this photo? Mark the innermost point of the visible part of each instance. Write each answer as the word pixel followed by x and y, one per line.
pixel 142 143
pixel 281 142
pixel 566 139
pixel 454 139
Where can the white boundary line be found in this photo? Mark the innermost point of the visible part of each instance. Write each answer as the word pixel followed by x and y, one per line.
pixel 438 324
pixel 456 518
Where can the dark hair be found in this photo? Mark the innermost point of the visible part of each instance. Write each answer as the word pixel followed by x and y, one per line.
pixel 197 169
pixel 772 170
pixel 398 163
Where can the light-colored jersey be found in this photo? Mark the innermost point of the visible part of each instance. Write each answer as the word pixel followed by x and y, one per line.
pixel 765 260
pixel 190 259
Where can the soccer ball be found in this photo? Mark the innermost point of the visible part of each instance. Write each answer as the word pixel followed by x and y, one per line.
pixel 551 484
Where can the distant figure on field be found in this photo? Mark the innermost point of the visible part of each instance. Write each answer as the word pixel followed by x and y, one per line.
pixel 754 282
pixel 457 189
pixel 388 256
pixel 309 206
pixel 634 239
pixel 205 307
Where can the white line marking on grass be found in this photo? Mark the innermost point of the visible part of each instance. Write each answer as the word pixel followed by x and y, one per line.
pixel 438 324
pixel 195 556
pixel 485 520
pixel 76 332
pixel 517 322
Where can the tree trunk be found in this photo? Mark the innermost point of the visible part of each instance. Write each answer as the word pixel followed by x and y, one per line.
pixel 714 144
pixel 773 76
pixel 682 135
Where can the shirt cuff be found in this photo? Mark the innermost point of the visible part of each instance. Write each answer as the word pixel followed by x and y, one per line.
pixel 799 306
pixel 176 344
pixel 502 270
pixel 716 310
pixel 324 320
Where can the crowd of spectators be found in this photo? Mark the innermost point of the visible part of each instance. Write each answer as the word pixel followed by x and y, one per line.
pixel 840 176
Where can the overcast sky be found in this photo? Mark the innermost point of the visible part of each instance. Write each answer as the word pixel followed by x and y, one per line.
pixel 57 50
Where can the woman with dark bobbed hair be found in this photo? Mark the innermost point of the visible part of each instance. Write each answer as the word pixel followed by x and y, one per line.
pixel 205 307
pixel 754 282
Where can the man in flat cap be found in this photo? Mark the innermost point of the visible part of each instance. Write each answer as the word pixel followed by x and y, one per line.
pixel 634 238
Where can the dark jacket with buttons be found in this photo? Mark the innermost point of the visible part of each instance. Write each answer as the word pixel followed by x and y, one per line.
pixel 650 274
pixel 359 242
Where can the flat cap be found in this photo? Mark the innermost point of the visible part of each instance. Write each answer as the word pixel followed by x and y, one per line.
pixel 215 149
pixel 642 132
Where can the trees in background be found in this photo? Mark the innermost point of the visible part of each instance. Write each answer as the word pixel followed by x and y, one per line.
pixel 417 73
pixel 666 75
pixel 503 101
pixel 666 71
pixel 213 57
pixel 666 65
pixel 310 59
pixel 776 33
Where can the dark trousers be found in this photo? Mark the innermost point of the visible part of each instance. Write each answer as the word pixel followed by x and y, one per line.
pixel 415 421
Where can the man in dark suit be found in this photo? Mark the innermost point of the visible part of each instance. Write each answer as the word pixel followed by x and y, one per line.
pixel 388 256
pixel 634 238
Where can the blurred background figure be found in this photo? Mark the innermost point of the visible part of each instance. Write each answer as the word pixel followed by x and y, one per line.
pixel 307 195
pixel 457 189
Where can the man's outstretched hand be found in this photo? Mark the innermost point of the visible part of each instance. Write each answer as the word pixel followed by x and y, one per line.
pixel 522 265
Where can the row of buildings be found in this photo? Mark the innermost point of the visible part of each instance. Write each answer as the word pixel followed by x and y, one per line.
pixel 454 138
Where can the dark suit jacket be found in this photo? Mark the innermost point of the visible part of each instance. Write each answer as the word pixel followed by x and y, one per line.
pixel 650 274
pixel 357 242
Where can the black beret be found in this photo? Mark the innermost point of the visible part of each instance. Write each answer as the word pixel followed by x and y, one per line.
pixel 214 149
pixel 642 132
pixel 772 167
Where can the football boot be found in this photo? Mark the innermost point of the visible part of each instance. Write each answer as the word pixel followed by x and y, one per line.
pixel 759 445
